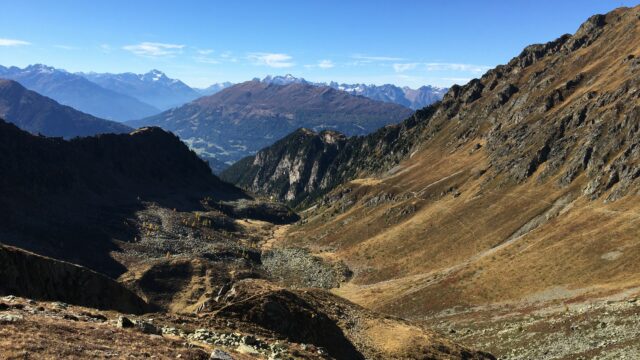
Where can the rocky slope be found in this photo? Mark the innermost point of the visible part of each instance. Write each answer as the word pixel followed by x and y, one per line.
pixel 38 114
pixel 244 118
pixel 153 88
pixel 518 190
pixel 259 327
pixel 538 109
pixel 76 91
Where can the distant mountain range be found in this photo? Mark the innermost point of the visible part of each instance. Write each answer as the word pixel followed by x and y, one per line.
pixel 214 88
pixel 129 96
pixel 38 114
pixel 78 92
pixel 405 96
pixel 242 119
pixel 153 88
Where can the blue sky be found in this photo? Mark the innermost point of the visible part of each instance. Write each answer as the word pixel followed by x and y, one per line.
pixel 202 42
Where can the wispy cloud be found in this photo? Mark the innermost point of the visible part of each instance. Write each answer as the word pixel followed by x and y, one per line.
pixel 322 64
pixel 105 48
pixel 375 58
pixel 153 49
pixel 440 66
pixel 228 56
pixel 13 42
pixel 65 47
pixel 456 67
pixel 204 51
pixel 207 56
pixel 404 66
pixel 207 60
pixel 326 64
pixel 273 60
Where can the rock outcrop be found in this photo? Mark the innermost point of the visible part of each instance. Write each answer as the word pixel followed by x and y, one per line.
pixel 292 169
pixel 37 277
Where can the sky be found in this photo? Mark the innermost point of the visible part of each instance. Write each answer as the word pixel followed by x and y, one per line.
pixel 407 43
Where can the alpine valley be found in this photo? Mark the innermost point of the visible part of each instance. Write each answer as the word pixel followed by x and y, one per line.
pixel 280 218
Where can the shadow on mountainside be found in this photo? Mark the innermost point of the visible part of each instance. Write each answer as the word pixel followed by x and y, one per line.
pixel 70 199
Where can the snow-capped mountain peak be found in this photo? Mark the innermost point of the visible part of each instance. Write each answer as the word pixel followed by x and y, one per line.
pixel 154 75
pixel 44 69
pixel 284 80
pixel 412 98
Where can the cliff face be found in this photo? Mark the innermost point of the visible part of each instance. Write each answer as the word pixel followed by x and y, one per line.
pixel 560 109
pixel 36 277
pixel 292 169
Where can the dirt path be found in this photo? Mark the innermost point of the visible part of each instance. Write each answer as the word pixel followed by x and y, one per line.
pixel 277 236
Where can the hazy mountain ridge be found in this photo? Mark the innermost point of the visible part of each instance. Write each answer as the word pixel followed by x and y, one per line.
pixel 212 89
pixel 153 87
pixel 78 92
pixel 38 114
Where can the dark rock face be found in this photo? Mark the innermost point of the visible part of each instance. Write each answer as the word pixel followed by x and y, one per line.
pixel 29 275
pixel 37 114
pixel 558 110
pixel 68 199
pixel 242 119
pixel 258 210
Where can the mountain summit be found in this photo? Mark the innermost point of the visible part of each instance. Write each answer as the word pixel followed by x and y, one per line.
pixel 244 118
pixel 154 87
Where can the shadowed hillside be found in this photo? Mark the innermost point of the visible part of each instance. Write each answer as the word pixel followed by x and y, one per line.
pixel 67 199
